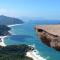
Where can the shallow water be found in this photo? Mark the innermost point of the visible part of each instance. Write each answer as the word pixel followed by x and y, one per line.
pixel 26 34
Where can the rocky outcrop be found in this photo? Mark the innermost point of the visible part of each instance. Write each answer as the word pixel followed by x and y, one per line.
pixel 49 39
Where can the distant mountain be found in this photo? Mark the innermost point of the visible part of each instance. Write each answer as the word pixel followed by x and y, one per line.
pixel 44 21
pixel 4 20
pixel 40 20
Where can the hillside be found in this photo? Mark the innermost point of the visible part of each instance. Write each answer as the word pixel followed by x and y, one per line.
pixel 15 52
pixel 4 20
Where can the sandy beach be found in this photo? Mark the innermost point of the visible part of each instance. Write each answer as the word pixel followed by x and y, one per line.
pixel 35 56
pixel 14 25
pixel 2 41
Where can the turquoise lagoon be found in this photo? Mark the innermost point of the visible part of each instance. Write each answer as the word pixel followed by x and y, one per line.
pixel 26 34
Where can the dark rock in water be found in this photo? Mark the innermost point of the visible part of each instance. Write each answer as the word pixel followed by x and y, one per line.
pixel 4 30
pixel 49 39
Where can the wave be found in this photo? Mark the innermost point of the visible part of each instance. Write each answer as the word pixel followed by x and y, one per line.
pixel 35 55
pixel 2 41
pixel 14 25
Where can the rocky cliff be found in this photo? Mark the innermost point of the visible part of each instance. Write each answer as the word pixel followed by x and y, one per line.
pixel 49 39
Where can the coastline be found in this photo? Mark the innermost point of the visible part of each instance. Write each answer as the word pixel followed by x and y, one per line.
pixel 34 54
pixel 2 41
pixel 14 25
pixel 2 37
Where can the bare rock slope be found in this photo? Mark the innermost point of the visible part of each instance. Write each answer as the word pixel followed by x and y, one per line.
pixel 50 35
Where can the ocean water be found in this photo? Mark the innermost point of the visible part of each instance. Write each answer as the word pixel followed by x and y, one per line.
pixel 26 34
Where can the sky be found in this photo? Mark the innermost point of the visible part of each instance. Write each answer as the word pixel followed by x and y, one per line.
pixel 48 9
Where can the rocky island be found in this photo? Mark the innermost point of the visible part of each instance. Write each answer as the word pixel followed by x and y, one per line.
pixel 49 35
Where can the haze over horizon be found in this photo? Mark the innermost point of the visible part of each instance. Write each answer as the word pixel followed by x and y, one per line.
pixel 46 9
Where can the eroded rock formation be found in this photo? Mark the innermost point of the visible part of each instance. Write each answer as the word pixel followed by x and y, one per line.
pixel 49 39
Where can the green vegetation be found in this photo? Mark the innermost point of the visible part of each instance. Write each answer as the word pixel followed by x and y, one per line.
pixel 5 20
pixel 4 30
pixel 15 52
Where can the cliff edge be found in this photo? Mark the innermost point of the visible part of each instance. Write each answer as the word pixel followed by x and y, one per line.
pixel 49 35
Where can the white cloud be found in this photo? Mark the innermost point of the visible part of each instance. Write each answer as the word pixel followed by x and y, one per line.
pixel 7 12
pixel 3 11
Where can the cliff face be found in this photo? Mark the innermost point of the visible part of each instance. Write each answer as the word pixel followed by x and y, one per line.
pixel 49 39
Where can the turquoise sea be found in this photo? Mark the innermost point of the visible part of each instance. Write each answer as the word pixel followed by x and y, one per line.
pixel 26 34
